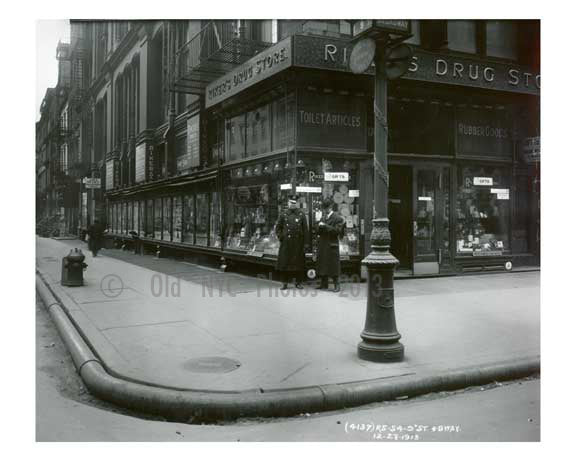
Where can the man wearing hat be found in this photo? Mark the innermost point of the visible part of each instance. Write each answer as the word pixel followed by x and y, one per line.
pixel 330 229
pixel 292 231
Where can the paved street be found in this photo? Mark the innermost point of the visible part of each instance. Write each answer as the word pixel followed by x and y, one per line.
pixel 66 412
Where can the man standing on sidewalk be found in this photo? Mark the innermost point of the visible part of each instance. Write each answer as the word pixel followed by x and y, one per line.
pixel 330 229
pixel 292 231
pixel 95 237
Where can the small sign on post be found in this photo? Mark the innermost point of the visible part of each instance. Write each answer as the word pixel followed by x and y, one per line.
pixel 91 183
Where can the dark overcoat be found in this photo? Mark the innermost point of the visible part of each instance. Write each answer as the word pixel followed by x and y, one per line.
pixel 96 234
pixel 329 246
pixel 292 231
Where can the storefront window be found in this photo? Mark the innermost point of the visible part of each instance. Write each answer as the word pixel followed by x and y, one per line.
pixel 338 181
pixel 167 219
pixel 188 219
pixel 252 211
pixel 122 218
pixel 283 122
pixel 202 217
pixel 177 219
pixel 258 138
pixel 215 240
pixel 129 216
pixel 149 232
pixel 136 216
pixel 235 137
pixel 158 218
pixel 483 211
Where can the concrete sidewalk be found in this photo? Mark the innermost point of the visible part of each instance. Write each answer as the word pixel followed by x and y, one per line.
pixel 199 329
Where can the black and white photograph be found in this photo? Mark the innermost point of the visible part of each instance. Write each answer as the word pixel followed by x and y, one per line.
pixel 268 229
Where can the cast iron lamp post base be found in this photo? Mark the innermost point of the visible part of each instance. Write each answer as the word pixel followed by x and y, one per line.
pixel 380 338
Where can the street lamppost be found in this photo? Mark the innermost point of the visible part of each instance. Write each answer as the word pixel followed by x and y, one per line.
pixel 379 41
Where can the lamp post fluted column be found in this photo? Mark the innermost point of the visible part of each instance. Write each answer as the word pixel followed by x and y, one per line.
pixel 380 338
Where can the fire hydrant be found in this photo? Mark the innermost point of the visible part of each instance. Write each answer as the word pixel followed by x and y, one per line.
pixel 73 266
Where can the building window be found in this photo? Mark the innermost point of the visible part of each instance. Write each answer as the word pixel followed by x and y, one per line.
pixel 215 240
pixel 177 219
pixel 502 39
pixel 202 218
pixel 462 36
pixel 158 219
pixel 415 39
pixel 483 211
pixel 188 218
pixel 167 218
pixel 235 137
pixel 149 223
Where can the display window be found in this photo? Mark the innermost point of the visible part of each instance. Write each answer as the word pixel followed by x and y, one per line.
pixel 236 137
pixel 283 132
pixel 167 218
pixel 215 239
pixel 116 218
pixel 136 216
pixel 177 219
pixel 336 179
pixel 149 232
pixel 252 209
pixel 188 218
pixel 202 218
pixel 258 133
pixel 158 219
pixel 483 211
pixel 129 217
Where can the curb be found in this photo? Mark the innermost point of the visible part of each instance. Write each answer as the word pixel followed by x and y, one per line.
pixel 200 406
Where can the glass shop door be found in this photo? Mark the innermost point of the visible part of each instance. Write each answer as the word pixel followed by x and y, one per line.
pixel 431 223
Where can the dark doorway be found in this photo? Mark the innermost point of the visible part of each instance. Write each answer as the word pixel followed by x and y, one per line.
pixel 400 214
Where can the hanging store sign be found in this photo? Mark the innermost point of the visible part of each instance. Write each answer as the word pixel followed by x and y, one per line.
pixel 271 61
pixel 531 150
pixel 354 193
pixel 332 176
pixel 140 163
pixel 193 142
pixel 92 183
pixel 285 186
pixel 110 175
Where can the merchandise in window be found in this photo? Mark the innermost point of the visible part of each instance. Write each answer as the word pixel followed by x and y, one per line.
pixel 188 218
pixel 167 219
pixel 149 218
pixel 338 180
pixel 177 219
pixel 130 224
pixel 158 219
pixel 483 211
pixel 136 216
pixel 215 239
pixel 258 136
pixel 202 217
pixel 251 212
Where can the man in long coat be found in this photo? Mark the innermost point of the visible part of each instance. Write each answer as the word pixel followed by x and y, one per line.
pixel 330 230
pixel 292 231
pixel 95 237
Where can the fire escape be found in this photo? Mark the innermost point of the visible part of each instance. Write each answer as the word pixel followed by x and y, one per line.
pixel 219 47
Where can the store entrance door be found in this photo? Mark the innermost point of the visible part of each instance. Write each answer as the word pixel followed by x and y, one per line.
pixel 430 219
pixel 400 215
